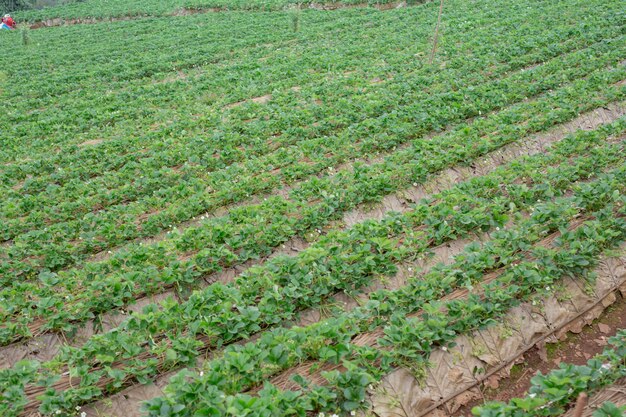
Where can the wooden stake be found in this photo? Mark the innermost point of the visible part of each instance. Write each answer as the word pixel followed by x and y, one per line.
pixel 581 403
pixel 432 55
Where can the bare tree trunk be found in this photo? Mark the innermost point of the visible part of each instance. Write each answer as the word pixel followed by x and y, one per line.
pixel 432 55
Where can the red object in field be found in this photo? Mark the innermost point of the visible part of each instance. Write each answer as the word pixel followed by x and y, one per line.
pixel 9 21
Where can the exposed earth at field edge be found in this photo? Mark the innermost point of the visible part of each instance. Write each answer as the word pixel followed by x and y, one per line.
pixel 575 349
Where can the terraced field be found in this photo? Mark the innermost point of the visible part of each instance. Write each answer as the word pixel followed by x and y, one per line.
pixel 277 208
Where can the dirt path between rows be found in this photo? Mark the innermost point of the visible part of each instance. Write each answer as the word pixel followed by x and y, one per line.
pixel 575 348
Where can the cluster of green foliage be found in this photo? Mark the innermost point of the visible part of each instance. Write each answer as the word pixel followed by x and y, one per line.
pixel 219 388
pixel 41 217
pixel 12 5
pixel 22 5
pixel 347 261
pixel 251 231
pixel 248 129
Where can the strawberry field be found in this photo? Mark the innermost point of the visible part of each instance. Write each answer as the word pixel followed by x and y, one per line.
pixel 284 208
pixel 116 9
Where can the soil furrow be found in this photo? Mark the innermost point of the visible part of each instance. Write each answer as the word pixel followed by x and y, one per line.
pixel 45 346
pixel 610 283
pixel 312 369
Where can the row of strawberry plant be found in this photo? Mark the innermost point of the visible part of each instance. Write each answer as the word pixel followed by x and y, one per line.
pixel 406 338
pixel 38 236
pixel 42 183
pixel 35 246
pixel 507 50
pixel 268 34
pixel 66 172
pixel 353 54
pixel 77 295
pixel 477 206
pixel 114 285
pixel 316 183
pixel 236 64
pixel 50 165
pixel 117 289
pixel 171 353
pixel 61 213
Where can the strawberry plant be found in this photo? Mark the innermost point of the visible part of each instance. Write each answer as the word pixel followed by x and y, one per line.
pixel 142 161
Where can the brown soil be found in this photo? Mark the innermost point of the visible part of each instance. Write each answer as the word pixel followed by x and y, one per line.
pixel 259 100
pixel 84 21
pixel 337 6
pixel 575 349
pixel 177 76
pixel 91 142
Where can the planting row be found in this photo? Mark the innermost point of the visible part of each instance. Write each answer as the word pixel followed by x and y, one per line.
pixel 146 269
pixel 343 261
pixel 31 200
pixel 170 205
pixel 76 12
pixel 511 51
pixel 16 207
pixel 42 209
pixel 193 74
pixel 411 325
pixel 56 301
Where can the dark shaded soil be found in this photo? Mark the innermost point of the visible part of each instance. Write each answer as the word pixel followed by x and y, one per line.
pixel 575 349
